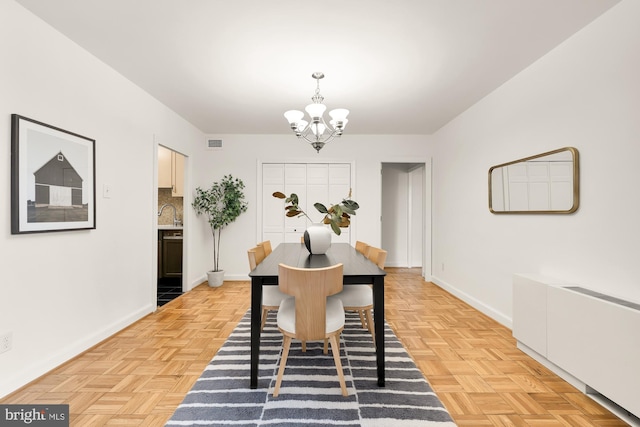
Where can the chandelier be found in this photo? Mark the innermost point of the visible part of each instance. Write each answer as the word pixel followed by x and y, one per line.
pixel 316 131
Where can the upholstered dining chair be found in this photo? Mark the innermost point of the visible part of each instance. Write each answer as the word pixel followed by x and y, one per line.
pixel 359 298
pixel 310 315
pixel 271 295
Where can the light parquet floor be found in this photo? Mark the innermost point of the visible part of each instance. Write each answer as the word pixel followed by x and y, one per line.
pixel 140 375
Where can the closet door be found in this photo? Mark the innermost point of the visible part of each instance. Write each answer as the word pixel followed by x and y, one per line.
pixel 339 184
pixel 272 209
pixel 312 182
pixel 295 181
pixel 317 189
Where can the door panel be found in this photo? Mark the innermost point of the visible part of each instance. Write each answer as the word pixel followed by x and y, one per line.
pixel 295 181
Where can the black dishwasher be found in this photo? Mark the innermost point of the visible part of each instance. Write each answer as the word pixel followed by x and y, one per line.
pixel 171 253
pixel 169 265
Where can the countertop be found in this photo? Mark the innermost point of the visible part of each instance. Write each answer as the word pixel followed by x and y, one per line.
pixel 170 227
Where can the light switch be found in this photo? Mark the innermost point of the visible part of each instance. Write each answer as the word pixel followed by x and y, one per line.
pixel 106 191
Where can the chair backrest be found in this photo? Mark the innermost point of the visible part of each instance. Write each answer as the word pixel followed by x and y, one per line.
pixel 310 287
pixel 362 247
pixel 256 256
pixel 267 247
pixel 377 256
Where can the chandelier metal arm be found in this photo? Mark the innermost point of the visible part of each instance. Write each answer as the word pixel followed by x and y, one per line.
pixel 305 135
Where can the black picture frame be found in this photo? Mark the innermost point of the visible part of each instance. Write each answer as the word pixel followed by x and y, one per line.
pixel 53 185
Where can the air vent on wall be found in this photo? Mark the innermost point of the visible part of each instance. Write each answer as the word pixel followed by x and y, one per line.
pixel 214 144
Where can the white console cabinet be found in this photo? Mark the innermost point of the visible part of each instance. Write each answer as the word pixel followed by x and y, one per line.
pixel 590 339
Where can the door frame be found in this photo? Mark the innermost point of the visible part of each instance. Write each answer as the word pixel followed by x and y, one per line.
pixel 185 202
pixel 427 250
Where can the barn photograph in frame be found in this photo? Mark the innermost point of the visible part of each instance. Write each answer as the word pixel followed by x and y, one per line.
pixel 52 178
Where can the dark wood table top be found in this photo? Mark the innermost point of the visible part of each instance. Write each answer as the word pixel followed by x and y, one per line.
pixel 356 266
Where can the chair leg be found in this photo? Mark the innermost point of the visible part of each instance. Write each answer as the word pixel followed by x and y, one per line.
pixel 335 349
pixel 264 318
pixel 367 313
pixel 361 314
pixel 304 346
pixel 325 349
pixel 286 344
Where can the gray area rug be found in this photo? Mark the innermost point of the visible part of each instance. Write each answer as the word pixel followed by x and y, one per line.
pixel 310 393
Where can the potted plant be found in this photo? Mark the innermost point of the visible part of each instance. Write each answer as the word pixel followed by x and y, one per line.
pixel 317 238
pixel 222 204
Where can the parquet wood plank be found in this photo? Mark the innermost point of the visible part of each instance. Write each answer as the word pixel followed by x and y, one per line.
pixel 139 376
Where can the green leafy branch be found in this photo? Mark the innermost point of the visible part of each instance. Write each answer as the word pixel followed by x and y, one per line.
pixel 338 215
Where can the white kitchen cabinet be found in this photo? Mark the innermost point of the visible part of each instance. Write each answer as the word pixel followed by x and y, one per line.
pixel 171 171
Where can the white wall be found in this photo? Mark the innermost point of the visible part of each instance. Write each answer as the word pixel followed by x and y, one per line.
pixel 63 292
pixel 240 156
pixel 585 94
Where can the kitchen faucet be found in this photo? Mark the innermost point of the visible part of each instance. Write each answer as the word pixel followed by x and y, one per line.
pixel 176 221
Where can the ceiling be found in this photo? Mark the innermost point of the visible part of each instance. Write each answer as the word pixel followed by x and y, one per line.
pixel 401 67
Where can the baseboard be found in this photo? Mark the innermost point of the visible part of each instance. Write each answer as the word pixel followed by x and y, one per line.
pixel 227 278
pixel 199 281
pixel 475 303
pixel 236 278
pixel 30 373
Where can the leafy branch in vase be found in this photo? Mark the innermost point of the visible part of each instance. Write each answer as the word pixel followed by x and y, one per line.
pixel 337 215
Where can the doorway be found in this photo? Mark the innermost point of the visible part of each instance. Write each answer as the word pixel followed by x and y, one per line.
pixel 170 216
pixel 404 223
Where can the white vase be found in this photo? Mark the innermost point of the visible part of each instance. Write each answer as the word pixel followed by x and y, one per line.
pixel 215 278
pixel 317 239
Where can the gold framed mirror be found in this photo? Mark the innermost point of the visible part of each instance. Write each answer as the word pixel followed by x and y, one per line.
pixel 546 183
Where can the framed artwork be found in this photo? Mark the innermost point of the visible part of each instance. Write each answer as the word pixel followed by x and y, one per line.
pixel 53 185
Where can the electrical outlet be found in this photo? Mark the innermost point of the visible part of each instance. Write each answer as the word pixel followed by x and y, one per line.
pixel 5 342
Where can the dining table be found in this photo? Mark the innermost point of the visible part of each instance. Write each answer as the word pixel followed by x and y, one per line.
pixel 357 269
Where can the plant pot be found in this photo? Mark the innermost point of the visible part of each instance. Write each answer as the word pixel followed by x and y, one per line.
pixel 215 278
pixel 317 239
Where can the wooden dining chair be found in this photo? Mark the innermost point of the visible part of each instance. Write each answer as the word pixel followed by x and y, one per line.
pixel 359 298
pixel 310 315
pixel 256 256
pixel 377 256
pixel 362 247
pixel 271 295
pixel 267 247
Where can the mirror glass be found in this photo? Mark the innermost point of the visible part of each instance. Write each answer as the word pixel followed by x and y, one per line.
pixel 544 183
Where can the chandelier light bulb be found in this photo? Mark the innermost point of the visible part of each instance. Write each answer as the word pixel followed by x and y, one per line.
pixel 293 116
pixel 339 114
pixel 315 111
pixel 318 129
